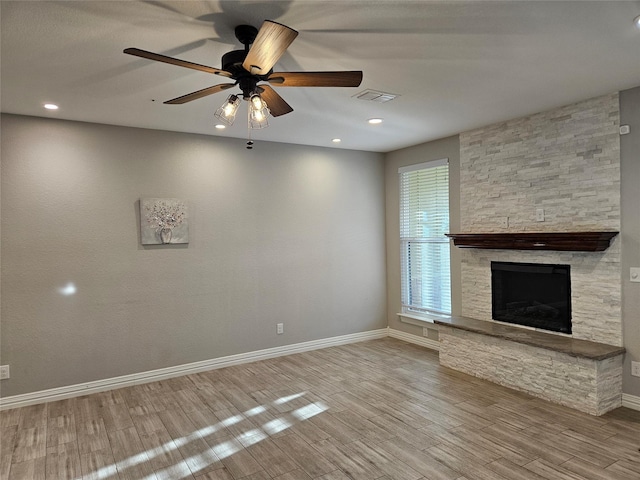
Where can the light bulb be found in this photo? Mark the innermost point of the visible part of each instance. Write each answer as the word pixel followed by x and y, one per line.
pixel 227 112
pixel 256 102
pixel 258 112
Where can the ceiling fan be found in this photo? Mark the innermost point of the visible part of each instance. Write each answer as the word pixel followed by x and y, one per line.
pixel 248 67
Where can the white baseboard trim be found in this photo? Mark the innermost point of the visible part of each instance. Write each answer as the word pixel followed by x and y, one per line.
pixel 631 401
pixel 60 393
pixel 77 390
pixel 407 337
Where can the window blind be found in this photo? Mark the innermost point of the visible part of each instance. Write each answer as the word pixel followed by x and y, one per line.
pixel 424 219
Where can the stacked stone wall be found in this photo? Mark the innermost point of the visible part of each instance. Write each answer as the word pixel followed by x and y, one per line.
pixel 567 162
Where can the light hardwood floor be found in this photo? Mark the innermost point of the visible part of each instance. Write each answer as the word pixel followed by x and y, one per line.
pixel 382 409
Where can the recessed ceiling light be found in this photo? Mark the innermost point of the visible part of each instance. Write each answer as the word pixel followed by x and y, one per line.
pixel 50 106
pixel 221 127
pixel 636 21
pixel 375 121
pixel 336 140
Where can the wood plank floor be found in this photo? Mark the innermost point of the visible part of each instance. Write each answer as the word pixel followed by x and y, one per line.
pixel 382 409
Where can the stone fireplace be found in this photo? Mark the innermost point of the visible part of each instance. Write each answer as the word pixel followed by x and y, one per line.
pixel 565 162
pixel 563 166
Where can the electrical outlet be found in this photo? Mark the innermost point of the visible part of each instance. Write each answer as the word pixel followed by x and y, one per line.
pixel 425 332
pixel 280 328
pixel 4 372
pixel 539 214
pixel 635 369
pixel 504 222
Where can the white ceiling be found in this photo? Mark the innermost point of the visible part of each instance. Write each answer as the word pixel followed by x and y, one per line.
pixel 455 65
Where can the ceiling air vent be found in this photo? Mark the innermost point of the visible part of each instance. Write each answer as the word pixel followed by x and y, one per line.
pixel 375 96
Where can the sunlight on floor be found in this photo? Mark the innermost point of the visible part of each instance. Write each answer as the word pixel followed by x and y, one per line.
pixel 223 449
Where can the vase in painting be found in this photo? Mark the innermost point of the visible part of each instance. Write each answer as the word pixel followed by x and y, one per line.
pixel 165 235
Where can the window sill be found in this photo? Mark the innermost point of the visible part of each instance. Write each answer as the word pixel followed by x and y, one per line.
pixel 421 320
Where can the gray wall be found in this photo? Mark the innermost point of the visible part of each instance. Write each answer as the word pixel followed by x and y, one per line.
pixel 282 233
pixel 630 233
pixel 444 148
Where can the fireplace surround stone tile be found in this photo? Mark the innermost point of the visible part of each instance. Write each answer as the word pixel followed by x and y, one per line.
pixel 511 169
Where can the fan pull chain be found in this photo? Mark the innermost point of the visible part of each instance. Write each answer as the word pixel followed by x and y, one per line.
pixel 249 141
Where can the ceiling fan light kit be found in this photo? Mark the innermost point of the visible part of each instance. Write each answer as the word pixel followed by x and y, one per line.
pixel 252 65
pixel 258 112
pixel 227 111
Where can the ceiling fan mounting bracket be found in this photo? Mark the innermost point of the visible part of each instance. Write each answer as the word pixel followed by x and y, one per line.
pixel 246 34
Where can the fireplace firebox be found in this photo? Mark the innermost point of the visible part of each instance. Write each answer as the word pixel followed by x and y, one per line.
pixel 532 294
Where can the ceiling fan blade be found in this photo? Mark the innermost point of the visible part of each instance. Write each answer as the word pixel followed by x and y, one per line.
pixel 277 105
pixel 316 79
pixel 175 61
pixel 272 41
pixel 199 94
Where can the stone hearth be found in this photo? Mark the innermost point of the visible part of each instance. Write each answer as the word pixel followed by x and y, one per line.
pixel 579 374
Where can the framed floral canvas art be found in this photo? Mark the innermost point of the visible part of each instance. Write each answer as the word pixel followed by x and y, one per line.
pixel 163 221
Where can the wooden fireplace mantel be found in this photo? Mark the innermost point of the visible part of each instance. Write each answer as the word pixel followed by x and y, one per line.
pixel 563 241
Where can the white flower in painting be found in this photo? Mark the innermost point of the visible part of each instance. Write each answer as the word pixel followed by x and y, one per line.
pixel 165 215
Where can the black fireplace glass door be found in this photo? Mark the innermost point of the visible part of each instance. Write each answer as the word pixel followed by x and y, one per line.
pixel 532 294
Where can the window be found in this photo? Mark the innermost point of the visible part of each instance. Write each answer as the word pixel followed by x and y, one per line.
pixel 424 219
